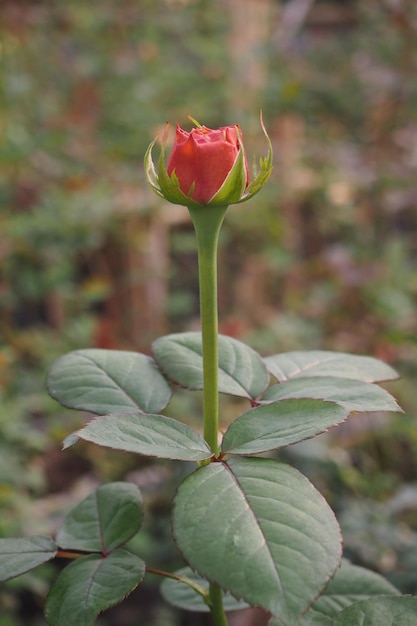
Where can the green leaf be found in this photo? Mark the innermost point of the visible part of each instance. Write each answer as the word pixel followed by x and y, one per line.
pixel 351 584
pixel 104 520
pixel 19 555
pixel 150 435
pixel 312 619
pixel 353 395
pixel 325 363
pixel 272 426
pixel 182 595
pixel 70 440
pixel 380 611
pixel 91 584
pixel 108 381
pixel 241 369
pixel 260 530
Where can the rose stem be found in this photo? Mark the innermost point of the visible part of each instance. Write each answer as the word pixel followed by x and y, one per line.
pixel 207 223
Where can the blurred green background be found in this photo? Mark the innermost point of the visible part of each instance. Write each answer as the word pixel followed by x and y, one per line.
pixel 324 257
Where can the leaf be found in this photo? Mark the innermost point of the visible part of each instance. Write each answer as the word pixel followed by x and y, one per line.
pixel 183 596
pixel 353 395
pixel 316 619
pixel 273 426
pixel 325 363
pixel 380 611
pixel 150 435
pixel 104 520
pixel 19 555
pixel 241 369
pixel 91 584
pixel 350 584
pixel 260 530
pixel 70 440
pixel 313 619
pixel 108 381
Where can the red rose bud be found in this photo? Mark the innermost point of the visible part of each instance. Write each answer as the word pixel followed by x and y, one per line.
pixel 203 158
pixel 206 167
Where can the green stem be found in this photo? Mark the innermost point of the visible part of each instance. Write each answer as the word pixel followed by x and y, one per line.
pixel 216 605
pixel 182 579
pixel 207 223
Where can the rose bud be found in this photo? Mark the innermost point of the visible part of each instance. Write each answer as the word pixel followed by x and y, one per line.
pixel 203 159
pixel 206 167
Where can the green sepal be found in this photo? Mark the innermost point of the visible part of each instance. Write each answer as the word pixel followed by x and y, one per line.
pixel 150 172
pixel 170 186
pixel 164 185
pixel 234 184
pixel 261 176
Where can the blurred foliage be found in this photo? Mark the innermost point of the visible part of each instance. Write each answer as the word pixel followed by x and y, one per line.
pixel 325 257
pixel 356 248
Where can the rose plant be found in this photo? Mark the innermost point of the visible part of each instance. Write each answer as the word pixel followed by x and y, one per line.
pixel 253 531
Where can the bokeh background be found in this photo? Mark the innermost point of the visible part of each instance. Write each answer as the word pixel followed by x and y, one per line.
pixel 324 257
